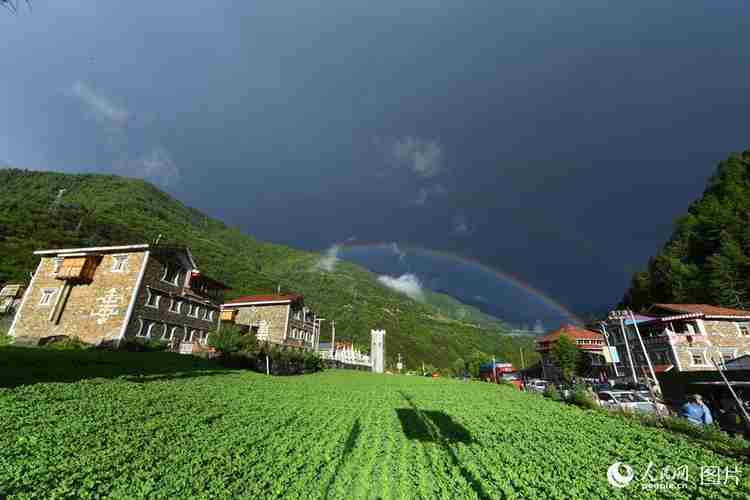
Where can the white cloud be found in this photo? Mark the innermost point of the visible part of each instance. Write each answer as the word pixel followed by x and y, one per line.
pixel 428 192
pixel 398 252
pixel 327 261
pixel 100 107
pixel 157 166
pixel 423 157
pixel 407 284
pixel 460 225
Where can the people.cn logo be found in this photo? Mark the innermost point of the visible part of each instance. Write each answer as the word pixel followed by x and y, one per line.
pixel 619 474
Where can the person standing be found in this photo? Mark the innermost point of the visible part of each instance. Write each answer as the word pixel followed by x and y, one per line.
pixel 696 412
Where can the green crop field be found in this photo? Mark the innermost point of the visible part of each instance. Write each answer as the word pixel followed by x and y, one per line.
pixel 196 430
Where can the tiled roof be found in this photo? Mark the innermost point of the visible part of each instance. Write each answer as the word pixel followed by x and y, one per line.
pixel 573 332
pixel 704 309
pixel 284 297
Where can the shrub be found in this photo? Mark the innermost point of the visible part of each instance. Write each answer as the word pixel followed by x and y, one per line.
pixel 583 398
pixel 5 339
pixel 144 345
pixel 63 343
pixel 551 392
pixel 230 339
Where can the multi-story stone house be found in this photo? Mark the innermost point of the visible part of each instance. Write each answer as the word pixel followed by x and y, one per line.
pixel 107 295
pixel 279 319
pixel 680 337
pixel 591 344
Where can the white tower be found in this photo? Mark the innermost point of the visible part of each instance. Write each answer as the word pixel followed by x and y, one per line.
pixel 377 350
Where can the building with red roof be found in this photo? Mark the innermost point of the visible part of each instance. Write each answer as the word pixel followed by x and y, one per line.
pixel 276 318
pixel 680 337
pixel 591 344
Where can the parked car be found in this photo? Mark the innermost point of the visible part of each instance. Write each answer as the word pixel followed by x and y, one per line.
pixel 626 401
pixel 537 385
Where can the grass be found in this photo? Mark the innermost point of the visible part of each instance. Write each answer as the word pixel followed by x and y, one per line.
pixel 189 429
pixel 27 365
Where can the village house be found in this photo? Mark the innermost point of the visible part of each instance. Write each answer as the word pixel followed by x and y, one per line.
pixel 591 344
pixel 278 319
pixel 107 295
pixel 680 337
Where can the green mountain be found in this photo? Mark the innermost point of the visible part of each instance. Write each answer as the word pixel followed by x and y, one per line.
pixel 707 258
pixel 41 210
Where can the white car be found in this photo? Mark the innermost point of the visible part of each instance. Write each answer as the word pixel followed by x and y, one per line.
pixel 536 385
pixel 626 401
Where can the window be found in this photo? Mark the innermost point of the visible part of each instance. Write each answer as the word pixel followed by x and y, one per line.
pixel 193 335
pixel 143 327
pixel 152 298
pixel 744 330
pixel 173 275
pixel 169 333
pixel 196 311
pixel 697 358
pixel 727 354
pixel 47 295
pixel 175 332
pixel 56 263
pixel 206 312
pixel 119 263
pixel 153 330
pixel 175 306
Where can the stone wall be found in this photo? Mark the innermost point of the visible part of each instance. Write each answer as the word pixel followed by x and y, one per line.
pixel 168 318
pixel 723 338
pixel 94 312
pixel 271 320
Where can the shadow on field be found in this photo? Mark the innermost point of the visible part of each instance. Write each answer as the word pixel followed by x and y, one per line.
pixel 351 442
pixel 439 428
pixel 34 365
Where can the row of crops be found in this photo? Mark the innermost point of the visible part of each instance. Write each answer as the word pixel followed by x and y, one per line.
pixel 337 434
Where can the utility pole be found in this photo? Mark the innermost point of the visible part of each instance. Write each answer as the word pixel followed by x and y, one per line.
pixel 318 322
pixel 333 338
pixel 494 373
pixel 606 339
pixel 620 316
pixel 523 363
pixel 399 365
pixel 737 399
pixel 645 352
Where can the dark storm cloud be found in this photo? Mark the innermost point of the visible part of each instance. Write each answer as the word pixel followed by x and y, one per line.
pixel 564 137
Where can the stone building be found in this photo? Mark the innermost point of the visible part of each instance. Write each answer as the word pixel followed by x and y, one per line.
pixel 681 337
pixel 278 319
pixel 105 295
pixel 591 344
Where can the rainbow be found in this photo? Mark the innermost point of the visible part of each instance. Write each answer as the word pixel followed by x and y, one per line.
pixel 500 275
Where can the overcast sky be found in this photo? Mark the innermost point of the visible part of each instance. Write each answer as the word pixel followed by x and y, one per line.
pixel 555 140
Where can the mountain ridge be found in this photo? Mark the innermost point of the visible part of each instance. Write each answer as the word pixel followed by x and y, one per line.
pixel 96 209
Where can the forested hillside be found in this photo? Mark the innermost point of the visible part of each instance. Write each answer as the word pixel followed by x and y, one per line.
pixel 41 210
pixel 707 258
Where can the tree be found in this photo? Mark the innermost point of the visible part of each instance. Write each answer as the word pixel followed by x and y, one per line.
pixel 566 356
pixel 230 339
pixel 459 367
pixel 475 362
pixel 707 258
